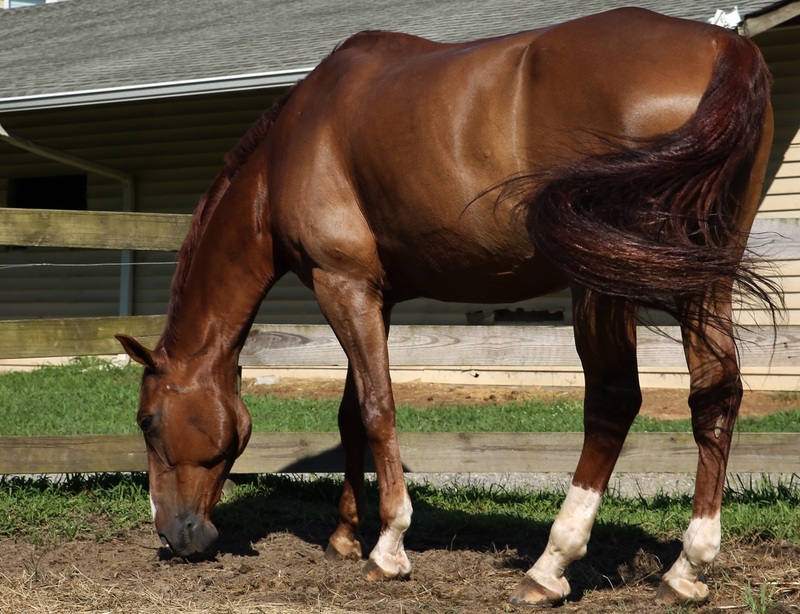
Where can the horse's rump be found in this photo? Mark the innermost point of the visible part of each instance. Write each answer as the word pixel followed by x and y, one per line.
pixel 659 220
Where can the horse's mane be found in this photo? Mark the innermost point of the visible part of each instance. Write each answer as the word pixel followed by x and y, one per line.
pixel 234 160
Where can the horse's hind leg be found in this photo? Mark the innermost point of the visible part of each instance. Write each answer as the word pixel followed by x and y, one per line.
pixel 714 398
pixel 605 336
pixel 355 312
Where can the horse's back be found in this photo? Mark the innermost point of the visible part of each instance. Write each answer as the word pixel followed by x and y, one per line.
pixel 400 136
pixel 510 104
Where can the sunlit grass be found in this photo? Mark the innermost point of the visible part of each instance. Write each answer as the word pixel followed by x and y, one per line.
pixel 93 397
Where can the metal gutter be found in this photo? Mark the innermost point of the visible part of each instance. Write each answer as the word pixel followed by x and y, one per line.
pixel 762 21
pixel 128 201
pixel 150 91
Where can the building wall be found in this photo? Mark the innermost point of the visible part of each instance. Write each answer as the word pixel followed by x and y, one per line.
pixel 174 148
pixel 780 209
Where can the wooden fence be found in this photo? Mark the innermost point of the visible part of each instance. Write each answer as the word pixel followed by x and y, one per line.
pixel 421 453
pixel 476 351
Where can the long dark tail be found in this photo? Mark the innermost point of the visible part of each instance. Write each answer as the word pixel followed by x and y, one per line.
pixel 656 221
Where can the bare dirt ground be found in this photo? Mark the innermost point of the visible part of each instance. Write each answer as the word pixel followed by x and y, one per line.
pixel 285 572
pixel 257 570
pixel 658 403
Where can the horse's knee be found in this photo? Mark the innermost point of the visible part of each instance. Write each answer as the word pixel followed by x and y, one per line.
pixel 615 386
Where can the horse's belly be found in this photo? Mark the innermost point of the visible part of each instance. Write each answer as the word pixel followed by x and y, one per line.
pixel 472 278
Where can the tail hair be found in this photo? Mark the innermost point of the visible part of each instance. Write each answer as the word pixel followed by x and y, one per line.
pixel 654 221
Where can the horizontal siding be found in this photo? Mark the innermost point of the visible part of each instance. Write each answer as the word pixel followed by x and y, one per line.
pixel 781 48
pixel 786 184
pixel 171 147
pixel 152 281
pixel 64 283
pixel 174 148
pixel 786 273
pixel 790 169
pixel 781 204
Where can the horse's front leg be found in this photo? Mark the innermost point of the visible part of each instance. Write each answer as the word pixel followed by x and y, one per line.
pixel 714 398
pixel 605 336
pixel 360 320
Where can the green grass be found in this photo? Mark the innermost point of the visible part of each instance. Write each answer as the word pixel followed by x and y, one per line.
pixel 92 397
pixel 105 506
pixel 86 397
pixel 94 507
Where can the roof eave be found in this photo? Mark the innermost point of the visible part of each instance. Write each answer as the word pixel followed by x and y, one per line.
pixel 152 91
pixel 764 20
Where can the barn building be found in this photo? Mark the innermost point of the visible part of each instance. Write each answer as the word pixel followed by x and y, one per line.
pixel 113 105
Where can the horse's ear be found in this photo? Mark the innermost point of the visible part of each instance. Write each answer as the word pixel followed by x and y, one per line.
pixel 137 351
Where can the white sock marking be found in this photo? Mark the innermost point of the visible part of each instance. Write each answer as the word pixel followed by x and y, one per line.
pixel 389 553
pixel 702 540
pixel 701 544
pixel 569 537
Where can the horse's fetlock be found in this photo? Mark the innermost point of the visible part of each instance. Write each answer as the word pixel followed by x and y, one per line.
pixel 569 541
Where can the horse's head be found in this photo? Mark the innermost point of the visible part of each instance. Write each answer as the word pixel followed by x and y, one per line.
pixel 195 426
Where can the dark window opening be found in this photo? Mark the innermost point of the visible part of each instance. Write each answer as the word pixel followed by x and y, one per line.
pixel 64 192
pixel 517 316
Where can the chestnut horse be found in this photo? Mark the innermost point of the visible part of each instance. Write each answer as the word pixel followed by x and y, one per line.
pixel 621 155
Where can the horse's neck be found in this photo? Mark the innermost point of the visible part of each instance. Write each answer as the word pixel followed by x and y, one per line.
pixel 230 268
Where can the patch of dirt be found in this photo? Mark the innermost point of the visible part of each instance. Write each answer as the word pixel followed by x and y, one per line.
pixel 285 572
pixel 657 402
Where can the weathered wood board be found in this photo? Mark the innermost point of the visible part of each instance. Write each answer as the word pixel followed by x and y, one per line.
pixel 421 452
pixel 92 229
pixel 770 237
pixel 74 336
pixel 499 346
pixel 456 347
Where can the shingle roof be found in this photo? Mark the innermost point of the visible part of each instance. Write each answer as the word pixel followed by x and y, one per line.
pixel 59 50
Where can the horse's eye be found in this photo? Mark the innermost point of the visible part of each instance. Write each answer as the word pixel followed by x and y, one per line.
pixel 146 423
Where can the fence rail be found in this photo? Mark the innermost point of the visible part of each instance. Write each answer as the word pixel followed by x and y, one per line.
pixel 421 453
pixel 771 238
pixel 92 229
pixel 457 347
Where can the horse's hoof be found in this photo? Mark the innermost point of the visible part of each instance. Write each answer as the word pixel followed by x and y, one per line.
pixel 695 593
pixel 332 554
pixel 530 593
pixel 373 573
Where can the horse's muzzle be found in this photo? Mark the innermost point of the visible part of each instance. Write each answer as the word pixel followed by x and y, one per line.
pixel 189 534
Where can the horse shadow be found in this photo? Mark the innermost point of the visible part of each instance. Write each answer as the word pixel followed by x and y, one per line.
pixel 307 507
